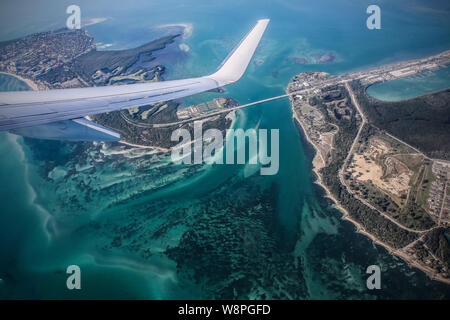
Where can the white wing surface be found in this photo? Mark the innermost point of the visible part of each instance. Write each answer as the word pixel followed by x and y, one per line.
pixel 33 109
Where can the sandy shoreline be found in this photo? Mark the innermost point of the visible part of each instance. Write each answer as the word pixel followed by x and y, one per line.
pixel 29 82
pixel 346 215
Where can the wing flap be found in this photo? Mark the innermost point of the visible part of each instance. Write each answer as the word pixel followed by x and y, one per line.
pixel 72 130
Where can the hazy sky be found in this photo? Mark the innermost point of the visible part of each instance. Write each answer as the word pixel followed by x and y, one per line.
pixel 20 17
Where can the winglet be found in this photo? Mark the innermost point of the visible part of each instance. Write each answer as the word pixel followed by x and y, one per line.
pixel 235 64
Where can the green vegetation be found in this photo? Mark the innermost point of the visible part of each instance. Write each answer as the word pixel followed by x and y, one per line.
pixel 423 122
pixel 413 214
pixel 150 136
pixel 370 219
pixel 95 60
pixel 438 242
pixel 423 192
pixel 409 211
pixel 112 63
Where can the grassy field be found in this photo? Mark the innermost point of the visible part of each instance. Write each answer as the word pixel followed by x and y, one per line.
pixel 392 177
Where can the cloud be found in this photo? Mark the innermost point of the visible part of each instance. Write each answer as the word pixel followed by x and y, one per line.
pixel 184 47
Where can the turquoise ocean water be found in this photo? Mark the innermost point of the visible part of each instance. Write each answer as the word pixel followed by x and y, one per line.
pixel 114 212
pixel 410 87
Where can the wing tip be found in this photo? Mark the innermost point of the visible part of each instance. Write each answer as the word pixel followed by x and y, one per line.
pixel 235 64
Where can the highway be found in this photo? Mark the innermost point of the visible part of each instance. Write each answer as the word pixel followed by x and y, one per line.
pixel 315 86
pixel 382 73
pixel 351 151
pixel 206 115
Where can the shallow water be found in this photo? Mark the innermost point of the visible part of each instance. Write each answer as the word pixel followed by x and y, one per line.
pixel 142 227
pixel 411 87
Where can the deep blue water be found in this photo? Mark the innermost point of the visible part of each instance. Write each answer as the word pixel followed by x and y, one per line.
pixel 48 217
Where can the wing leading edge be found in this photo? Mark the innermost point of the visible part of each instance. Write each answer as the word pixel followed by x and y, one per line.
pixel 25 109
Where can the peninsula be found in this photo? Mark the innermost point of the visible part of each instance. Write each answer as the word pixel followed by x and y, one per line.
pixel 390 180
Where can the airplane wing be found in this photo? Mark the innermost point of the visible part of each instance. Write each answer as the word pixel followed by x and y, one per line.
pixel 58 114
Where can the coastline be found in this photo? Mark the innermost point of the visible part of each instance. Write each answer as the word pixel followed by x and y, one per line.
pixel 316 166
pixel 163 150
pixel 231 116
pixel 30 83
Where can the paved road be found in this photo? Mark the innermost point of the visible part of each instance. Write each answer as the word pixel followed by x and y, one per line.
pixel 208 115
pixel 341 171
pixel 443 203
